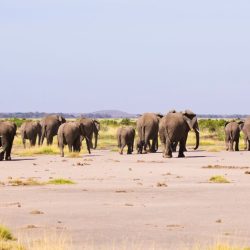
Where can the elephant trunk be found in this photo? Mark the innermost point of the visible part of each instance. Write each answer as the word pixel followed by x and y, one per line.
pixel 96 140
pixel 197 133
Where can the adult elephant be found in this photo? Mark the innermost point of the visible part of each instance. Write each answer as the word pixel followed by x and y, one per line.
pixel 7 134
pixel 232 134
pixel 174 128
pixel 92 127
pixel 147 129
pixel 50 125
pixel 126 137
pixel 31 130
pixel 246 132
pixel 70 134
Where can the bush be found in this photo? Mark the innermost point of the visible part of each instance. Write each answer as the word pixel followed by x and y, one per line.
pixel 212 125
pixel 17 121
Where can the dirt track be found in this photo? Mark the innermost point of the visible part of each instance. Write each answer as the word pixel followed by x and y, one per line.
pixel 136 200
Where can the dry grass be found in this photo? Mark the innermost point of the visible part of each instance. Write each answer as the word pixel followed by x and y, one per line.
pixel 221 246
pixel 218 179
pixel 25 182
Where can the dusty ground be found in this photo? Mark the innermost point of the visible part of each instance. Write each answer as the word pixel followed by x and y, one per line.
pixel 132 201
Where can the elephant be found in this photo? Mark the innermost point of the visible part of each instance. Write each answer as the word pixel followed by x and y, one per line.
pixel 50 125
pixel 30 130
pixel 126 137
pixel 174 128
pixel 7 134
pixel 91 127
pixel 147 128
pixel 232 134
pixel 246 132
pixel 70 134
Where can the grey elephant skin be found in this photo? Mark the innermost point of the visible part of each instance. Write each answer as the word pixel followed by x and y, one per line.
pixel 232 134
pixel 126 137
pixel 50 125
pixel 70 134
pixel 7 135
pixel 147 129
pixel 174 128
pixel 92 127
pixel 31 130
pixel 246 132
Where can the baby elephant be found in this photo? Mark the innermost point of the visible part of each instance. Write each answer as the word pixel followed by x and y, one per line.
pixel 232 133
pixel 126 137
pixel 31 130
pixel 70 134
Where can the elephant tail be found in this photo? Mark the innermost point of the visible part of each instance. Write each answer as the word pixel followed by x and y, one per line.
pixel 143 134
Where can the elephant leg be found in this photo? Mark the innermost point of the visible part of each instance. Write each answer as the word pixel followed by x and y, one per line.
pixel 88 145
pixel 227 143
pixel 231 145
pixel 248 145
pixel 245 143
pixel 174 146
pixel 237 144
pixel 91 141
pixel 167 153
pixel 8 149
pixel 24 142
pixel 154 146
pixel 185 143
pixel 129 152
pixel 61 150
pixel 181 149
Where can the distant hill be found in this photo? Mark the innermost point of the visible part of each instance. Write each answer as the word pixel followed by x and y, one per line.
pixel 102 114
pixel 96 114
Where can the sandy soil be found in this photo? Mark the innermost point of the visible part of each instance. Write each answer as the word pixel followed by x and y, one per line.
pixel 136 201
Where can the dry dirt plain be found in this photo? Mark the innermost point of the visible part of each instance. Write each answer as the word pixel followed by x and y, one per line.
pixel 134 202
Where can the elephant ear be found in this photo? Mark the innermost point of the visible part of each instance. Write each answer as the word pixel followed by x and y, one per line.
pixel 226 123
pixel 241 124
pixel 191 118
pixel 172 111
pixel 159 115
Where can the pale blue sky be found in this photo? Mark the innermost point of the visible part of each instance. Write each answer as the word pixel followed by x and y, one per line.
pixel 134 55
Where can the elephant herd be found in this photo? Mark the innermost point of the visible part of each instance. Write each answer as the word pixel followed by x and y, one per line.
pixel 172 129
pixel 68 133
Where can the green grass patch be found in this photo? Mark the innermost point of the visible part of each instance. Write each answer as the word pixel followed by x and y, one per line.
pixel 218 179
pixel 61 182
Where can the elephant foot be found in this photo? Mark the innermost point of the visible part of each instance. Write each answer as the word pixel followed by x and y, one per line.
pixel 167 156
pixel 181 155
pixel 1 157
pixel 8 158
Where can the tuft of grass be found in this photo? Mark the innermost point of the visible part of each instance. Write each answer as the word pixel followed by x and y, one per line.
pixel 27 182
pixel 5 233
pixel 218 179
pixel 161 184
pixel 61 182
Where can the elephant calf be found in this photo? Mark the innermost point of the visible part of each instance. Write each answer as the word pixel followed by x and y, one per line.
pixel 30 131
pixel 70 134
pixel 232 134
pixel 126 137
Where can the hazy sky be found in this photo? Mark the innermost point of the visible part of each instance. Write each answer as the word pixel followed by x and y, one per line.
pixel 133 55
